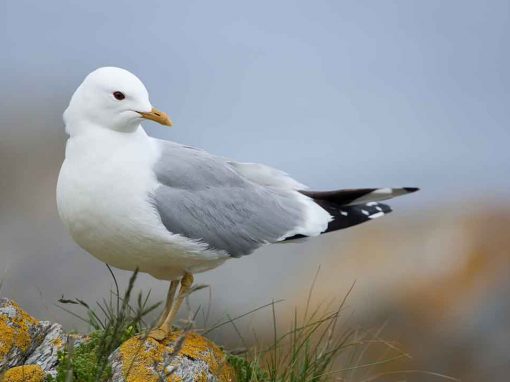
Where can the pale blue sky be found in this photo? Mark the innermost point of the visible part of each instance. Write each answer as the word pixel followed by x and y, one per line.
pixel 338 93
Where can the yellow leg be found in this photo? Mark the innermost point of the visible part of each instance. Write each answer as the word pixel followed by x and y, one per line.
pixel 165 327
pixel 169 302
pixel 186 283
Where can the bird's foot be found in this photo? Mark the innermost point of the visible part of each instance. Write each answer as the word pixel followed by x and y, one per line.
pixel 158 334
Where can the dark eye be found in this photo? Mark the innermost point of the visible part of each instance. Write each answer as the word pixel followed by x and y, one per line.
pixel 119 95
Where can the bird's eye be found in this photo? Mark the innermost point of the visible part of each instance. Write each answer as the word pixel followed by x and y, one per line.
pixel 119 95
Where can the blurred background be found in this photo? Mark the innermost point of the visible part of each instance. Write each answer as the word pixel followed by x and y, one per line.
pixel 338 94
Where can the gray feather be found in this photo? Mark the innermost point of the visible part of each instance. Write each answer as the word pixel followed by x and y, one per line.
pixel 202 197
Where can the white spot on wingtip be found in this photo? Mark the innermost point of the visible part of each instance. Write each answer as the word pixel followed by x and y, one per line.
pixel 376 215
pixel 365 212
pixel 343 213
pixel 371 204
pixel 382 191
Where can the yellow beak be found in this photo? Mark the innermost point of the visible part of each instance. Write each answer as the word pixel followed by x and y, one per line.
pixel 157 116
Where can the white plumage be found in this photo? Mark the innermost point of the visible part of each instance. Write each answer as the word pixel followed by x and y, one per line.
pixel 171 210
pixel 107 179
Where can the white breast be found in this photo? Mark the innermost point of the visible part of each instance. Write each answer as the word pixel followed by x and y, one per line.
pixel 103 196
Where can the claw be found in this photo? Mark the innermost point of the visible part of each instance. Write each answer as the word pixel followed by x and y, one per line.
pixel 158 334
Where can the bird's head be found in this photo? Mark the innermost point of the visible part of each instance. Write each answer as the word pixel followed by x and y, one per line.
pixel 112 98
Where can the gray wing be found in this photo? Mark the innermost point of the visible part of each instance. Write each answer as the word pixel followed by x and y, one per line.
pixel 201 196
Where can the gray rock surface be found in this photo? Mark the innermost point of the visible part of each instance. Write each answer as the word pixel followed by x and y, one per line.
pixel 46 354
pixel 27 341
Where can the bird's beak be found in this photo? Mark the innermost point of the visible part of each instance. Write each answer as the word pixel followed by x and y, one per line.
pixel 157 116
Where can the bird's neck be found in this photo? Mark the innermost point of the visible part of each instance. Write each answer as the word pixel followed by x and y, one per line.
pixel 94 140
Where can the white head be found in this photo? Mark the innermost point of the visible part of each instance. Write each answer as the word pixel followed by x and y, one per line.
pixel 111 98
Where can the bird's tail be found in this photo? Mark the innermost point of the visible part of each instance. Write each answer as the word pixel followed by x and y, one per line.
pixel 354 206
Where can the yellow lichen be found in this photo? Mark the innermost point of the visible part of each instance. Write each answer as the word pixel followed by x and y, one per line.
pixel 58 342
pixel 14 332
pixel 27 373
pixel 143 360
pixel 138 358
pixel 198 347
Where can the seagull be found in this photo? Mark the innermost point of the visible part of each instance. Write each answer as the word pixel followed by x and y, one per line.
pixel 170 210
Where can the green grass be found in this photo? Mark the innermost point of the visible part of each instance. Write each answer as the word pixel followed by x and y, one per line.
pixel 113 321
pixel 316 348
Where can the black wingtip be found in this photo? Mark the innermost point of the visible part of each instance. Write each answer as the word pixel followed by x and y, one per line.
pixel 411 189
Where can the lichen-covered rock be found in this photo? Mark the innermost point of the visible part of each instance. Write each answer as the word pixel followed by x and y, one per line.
pixel 28 373
pixel 25 340
pixel 181 357
pixel 29 353
pixel 46 354
pixel 20 334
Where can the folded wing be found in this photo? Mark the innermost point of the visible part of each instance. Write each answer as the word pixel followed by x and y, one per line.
pixel 237 207
pixel 205 198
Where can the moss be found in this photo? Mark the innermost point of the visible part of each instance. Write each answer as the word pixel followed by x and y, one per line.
pixel 144 360
pixel 88 361
pixel 15 331
pixel 246 371
pixel 27 373
pixel 82 362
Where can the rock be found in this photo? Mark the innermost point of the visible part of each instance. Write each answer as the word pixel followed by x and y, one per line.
pixel 27 341
pixel 20 334
pixel 46 354
pixel 183 357
pixel 29 352
pixel 28 373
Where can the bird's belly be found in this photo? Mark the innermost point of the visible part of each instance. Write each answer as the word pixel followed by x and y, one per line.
pixel 109 213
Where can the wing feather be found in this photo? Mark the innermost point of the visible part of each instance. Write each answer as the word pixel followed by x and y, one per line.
pixel 203 197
